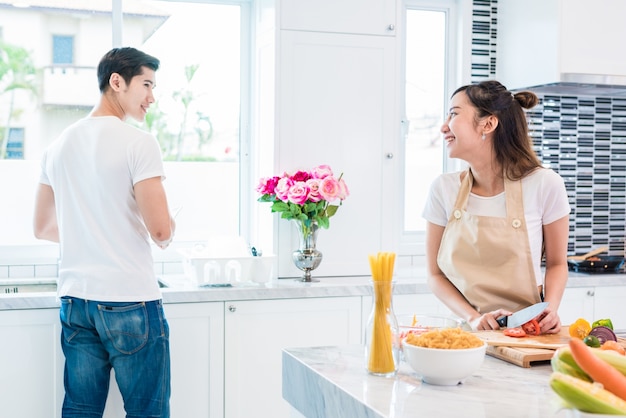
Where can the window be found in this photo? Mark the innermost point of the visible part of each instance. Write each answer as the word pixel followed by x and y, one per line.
pixel 15 144
pixel 427 62
pixel 196 117
pixel 62 49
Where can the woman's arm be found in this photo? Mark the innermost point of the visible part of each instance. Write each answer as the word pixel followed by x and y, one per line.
pixel 555 237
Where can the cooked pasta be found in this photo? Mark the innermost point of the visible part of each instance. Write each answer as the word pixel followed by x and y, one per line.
pixel 448 338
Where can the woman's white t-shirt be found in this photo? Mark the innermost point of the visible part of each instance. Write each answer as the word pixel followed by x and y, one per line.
pixel 544 197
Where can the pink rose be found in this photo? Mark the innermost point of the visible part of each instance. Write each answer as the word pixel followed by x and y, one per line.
pixel 267 185
pixel 343 190
pixel 329 188
pixel 282 188
pixel 300 176
pixel 314 190
pixel 321 171
pixel 298 193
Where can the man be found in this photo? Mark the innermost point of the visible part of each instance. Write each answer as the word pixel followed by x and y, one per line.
pixel 101 198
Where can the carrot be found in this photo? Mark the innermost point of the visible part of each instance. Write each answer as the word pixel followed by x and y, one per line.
pixel 599 370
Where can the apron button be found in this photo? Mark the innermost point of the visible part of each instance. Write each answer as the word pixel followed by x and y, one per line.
pixel 516 223
pixel 457 214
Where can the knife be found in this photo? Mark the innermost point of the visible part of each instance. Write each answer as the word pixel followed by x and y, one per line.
pixel 522 316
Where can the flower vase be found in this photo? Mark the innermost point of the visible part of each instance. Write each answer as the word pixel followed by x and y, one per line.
pixel 382 347
pixel 307 257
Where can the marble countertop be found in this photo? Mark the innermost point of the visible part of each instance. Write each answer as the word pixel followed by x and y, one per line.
pixel 181 289
pixel 329 382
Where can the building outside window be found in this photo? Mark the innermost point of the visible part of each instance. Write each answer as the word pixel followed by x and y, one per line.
pixel 62 49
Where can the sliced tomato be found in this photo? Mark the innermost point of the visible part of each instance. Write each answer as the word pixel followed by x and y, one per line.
pixel 514 332
pixel 532 327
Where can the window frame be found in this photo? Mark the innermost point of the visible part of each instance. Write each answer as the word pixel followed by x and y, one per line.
pixel 413 243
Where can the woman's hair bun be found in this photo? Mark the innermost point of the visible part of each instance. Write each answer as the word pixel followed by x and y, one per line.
pixel 526 99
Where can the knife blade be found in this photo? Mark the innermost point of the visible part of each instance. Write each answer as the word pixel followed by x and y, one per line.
pixel 522 316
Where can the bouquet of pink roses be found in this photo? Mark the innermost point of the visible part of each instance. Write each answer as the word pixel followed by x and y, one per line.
pixel 304 195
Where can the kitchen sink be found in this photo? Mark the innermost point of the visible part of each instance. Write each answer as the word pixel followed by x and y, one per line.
pixel 27 286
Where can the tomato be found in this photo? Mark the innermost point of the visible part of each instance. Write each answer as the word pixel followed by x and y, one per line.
pixel 514 332
pixel 579 329
pixel 532 327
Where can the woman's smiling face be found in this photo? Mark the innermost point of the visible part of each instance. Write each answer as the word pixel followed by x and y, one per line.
pixel 460 130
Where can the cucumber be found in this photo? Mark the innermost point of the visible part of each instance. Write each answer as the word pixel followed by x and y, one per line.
pixel 586 396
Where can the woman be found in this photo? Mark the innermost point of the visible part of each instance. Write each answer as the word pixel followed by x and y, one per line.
pixel 489 226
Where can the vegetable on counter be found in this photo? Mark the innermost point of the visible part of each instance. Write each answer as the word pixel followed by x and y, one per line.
pixel 532 327
pixel 603 334
pixel 599 370
pixel 580 328
pixel 590 379
pixel 514 332
pixel 603 323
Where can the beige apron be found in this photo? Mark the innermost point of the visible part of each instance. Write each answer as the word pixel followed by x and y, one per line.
pixel 488 258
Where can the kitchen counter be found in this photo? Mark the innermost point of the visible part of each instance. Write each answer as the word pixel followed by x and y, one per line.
pixel 328 382
pixel 181 290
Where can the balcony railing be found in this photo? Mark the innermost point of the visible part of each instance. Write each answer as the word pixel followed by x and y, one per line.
pixel 70 86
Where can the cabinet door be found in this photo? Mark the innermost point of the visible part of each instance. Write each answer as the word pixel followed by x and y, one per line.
pixel 372 17
pixel 31 377
pixel 609 303
pixel 257 331
pixel 197 366
pixel 577 302
pixel 336 106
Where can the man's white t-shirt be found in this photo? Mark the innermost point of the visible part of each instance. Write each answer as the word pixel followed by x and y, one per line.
pixel 544 197
pixel 104 244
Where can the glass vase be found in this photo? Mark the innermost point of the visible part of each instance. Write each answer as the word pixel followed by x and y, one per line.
pixel 382 346
pixel 307 258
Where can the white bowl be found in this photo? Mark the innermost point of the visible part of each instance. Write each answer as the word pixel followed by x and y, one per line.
pixel 447 367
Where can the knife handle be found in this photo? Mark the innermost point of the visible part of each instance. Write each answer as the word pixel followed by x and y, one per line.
pixel 502 321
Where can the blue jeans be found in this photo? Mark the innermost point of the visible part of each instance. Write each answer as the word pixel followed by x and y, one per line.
pixel 130 337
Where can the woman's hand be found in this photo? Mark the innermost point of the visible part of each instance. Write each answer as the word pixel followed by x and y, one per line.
pixel 488 320
pixel 549 322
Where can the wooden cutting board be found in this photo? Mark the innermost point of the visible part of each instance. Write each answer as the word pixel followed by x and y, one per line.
pixel 525 351
pixel 549 341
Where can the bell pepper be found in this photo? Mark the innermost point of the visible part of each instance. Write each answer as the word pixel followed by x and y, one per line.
pixel 602 323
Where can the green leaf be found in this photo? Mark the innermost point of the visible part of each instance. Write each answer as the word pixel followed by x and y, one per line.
pixel 331 210
pixel 280 206
pixel 323 222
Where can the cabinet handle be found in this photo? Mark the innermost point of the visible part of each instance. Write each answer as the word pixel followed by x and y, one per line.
pixel 590 293
pixel 232 308
pixel 391 27
pixel 389 155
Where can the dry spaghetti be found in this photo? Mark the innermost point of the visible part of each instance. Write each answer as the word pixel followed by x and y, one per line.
pixel 381 359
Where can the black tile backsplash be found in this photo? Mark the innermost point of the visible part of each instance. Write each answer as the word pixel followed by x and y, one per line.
pixel 583 138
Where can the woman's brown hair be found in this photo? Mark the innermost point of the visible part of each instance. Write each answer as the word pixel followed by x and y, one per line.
pixel 511 142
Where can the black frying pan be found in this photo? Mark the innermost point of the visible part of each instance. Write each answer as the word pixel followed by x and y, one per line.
pixel 597 264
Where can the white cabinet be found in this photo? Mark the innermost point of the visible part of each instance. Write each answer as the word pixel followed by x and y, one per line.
pixel 594 303
pixel 577 302
pixel 609 303
pixel 257 331
pixel 336 98
pixel 571 36
pixel 373 17
pixel 31 376
pixel 32 363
